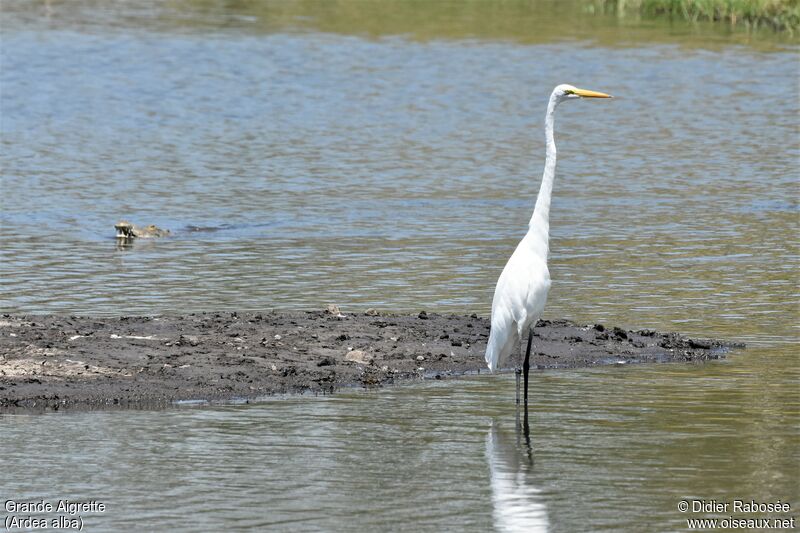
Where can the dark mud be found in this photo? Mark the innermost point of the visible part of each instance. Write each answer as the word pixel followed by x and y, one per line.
pixel 51 362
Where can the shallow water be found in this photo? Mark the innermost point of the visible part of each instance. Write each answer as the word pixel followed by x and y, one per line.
pixel 610 449
pixel 309 154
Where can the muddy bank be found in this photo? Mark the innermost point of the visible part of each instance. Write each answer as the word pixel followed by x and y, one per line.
pixel 58 361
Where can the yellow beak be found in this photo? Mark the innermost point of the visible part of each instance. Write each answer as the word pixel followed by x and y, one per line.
pixel 591 94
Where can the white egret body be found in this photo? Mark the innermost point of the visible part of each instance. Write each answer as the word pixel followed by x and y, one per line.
pixel 522 288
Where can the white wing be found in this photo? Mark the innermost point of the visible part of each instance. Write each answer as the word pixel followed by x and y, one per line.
pixel 519 299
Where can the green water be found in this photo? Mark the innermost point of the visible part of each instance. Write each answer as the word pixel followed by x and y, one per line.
pixel 388 155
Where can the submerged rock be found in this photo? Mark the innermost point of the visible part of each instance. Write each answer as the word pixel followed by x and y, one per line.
pixel 128 231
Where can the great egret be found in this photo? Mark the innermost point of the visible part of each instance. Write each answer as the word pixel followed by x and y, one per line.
pixel 522 288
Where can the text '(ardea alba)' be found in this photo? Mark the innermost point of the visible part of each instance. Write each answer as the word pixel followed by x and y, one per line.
pixel 522 288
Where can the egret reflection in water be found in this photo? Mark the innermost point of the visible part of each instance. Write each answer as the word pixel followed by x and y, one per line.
pixel 517 504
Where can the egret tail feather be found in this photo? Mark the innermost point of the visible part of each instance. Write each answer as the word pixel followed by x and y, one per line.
pixel 502 339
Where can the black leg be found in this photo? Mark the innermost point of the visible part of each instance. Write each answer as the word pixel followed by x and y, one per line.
pixel 526 365
pixel 517 372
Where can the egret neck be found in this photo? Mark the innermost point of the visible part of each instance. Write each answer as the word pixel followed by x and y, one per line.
pixel 539 226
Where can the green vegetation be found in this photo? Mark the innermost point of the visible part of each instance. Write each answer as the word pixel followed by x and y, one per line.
pixel 779 15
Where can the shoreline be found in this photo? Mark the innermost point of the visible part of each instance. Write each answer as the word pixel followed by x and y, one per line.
pixel 779 16
pixel 50 362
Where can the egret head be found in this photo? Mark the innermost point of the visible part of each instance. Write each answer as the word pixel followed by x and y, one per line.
pixel 568 92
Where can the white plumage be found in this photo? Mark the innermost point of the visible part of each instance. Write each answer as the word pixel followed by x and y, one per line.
pixel 522 288
pixel 519 299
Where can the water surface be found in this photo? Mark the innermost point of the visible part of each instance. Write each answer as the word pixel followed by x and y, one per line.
pixel 308 154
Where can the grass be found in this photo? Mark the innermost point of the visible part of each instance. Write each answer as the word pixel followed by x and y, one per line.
pixel 779 15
